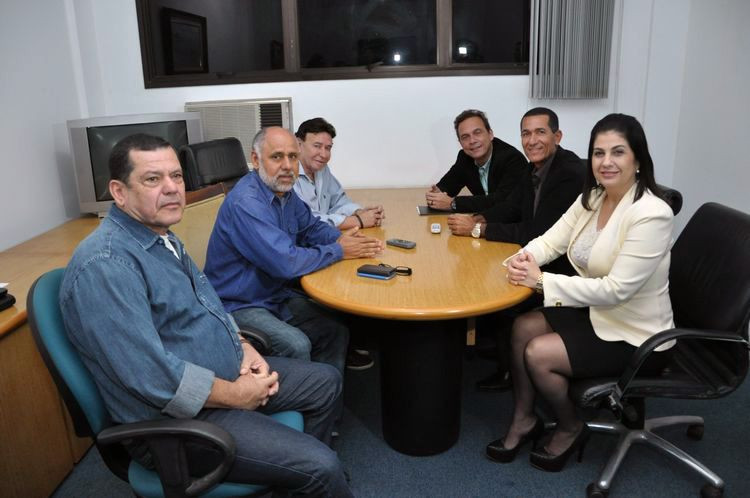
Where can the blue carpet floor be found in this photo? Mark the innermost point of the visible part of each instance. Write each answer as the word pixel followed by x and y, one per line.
pixel 378 471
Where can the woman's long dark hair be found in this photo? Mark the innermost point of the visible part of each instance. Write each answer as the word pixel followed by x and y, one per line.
pixel 631 129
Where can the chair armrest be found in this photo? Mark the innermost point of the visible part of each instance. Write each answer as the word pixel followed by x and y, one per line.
pixel 259 339
pixel 165 439
pixel 653 342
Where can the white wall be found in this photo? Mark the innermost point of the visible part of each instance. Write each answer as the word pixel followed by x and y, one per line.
pixel 81 58
pixel 712 160
pixel 38 94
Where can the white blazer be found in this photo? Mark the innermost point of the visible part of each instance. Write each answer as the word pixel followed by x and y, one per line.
pixel 626 284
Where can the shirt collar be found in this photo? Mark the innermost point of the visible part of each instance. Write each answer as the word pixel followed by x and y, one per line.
pixel 302 173
pixel 266 193
pixel 541 173
pixel 140 232
pixel 488 161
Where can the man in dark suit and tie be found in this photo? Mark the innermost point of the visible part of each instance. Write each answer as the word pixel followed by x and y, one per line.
pixel 551 183
pixel 487 166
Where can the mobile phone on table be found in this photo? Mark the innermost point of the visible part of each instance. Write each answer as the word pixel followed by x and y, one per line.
pixel 381 272
pixel 405 244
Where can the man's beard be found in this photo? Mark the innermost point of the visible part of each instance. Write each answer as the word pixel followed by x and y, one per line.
pixel 273 182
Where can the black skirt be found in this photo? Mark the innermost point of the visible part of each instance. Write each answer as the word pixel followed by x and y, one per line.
pixel 591 356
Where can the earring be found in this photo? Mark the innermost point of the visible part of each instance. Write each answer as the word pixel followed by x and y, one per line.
pixel 638 171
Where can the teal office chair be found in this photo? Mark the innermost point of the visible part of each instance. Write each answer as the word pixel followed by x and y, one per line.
pixel 165 438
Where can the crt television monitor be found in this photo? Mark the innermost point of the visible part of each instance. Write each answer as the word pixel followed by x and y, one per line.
pixel 92 140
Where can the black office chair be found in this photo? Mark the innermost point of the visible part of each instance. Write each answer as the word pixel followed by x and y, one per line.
pixel 165 438
pixel 709 284
pixel 214 161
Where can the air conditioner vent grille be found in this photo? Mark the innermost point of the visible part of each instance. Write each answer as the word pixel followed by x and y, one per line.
pixel 271 115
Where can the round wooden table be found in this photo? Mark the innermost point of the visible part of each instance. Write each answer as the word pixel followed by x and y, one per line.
pixel 423 327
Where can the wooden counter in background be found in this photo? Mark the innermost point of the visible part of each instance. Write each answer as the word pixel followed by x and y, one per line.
pixel 39 446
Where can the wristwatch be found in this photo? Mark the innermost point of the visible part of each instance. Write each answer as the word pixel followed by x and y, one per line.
pixel 476 232
pixel 453 204
pixel 539 287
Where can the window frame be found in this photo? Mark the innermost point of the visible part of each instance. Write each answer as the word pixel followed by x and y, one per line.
pixel 293 71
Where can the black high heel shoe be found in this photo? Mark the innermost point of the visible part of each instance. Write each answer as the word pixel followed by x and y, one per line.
pixel 499 453
pixel 555 463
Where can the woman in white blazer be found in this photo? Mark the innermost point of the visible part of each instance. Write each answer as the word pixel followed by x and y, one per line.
pixel 617 236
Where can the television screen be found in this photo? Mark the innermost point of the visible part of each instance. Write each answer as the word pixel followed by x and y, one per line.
pixel 102 139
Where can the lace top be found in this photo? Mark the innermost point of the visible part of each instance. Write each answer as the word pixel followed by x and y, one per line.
pixel 581 248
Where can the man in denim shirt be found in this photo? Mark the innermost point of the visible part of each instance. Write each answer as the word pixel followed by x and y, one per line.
pixel 158 343
pixel 265 238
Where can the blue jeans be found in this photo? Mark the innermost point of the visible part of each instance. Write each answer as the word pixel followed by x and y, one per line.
pixel 273 454
pixel 313 333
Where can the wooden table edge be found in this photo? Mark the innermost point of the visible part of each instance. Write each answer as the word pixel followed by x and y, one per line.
pixel 416 314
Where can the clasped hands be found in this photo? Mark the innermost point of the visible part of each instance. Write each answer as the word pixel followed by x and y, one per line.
pixel 437 199
pixel 523 269
pixel 371 216
pixel 256 378
pixel 463 224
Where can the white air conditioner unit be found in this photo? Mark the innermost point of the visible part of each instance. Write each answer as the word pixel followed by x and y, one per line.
pixel 242 118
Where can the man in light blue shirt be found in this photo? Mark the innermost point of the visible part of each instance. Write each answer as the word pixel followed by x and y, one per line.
pixel 318 187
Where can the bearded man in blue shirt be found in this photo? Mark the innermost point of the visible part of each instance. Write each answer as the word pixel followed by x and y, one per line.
pixel 266 238
pixel 158 343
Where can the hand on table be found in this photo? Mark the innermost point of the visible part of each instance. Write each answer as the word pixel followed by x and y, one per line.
pixel 523 270
pixel 461 224
pixel 372 216
pixel 437 199
pixel 356 245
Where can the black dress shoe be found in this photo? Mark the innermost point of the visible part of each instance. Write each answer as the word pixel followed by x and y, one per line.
pixel 555 463
pixel 499 453
pixel 495 383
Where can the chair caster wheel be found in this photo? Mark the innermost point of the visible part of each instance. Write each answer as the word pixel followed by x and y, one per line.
pixel 710 491
pixel 695 431
pixel 593 491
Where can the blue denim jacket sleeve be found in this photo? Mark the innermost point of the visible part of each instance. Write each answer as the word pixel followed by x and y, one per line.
pixel 108 315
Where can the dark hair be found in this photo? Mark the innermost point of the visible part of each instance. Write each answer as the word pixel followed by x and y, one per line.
pixel 315 125
pixel 120 165
pixel 631 129
pixel 554 123
pixel 471 113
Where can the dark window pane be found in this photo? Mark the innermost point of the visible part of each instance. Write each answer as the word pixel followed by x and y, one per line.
pixel 363 32
pixel 241 36
pixel 491 31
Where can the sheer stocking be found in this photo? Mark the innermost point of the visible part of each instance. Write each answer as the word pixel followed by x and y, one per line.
pixel 539 362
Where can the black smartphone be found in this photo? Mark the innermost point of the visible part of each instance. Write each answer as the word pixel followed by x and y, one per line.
pixel 380 272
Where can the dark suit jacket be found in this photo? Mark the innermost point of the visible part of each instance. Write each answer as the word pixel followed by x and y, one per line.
pixel 507 167
pixel 514 219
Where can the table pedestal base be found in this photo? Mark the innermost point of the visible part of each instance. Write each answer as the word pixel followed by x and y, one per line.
pixel 421 384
